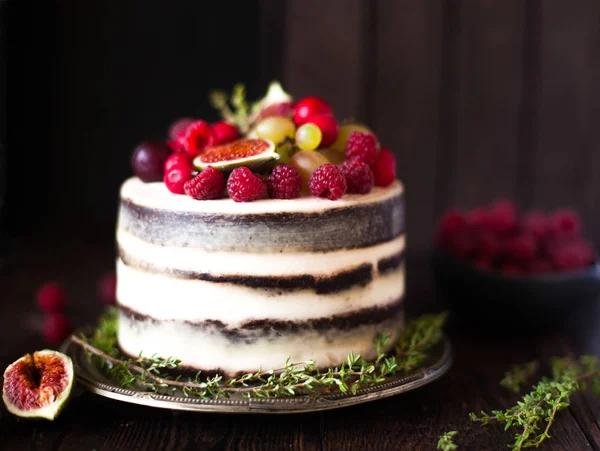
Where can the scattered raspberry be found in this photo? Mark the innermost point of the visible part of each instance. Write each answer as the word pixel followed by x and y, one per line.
pixel 568 257
pixel 176 178
pixel 478 219
pixel 56 328
pixel 521 248
pixel 209 184
pixel 540 266
pixel 244 186
pixel 284 182
pixel 197 136
pixel 503 217
pixel 359 177
pixel 565 222
pixel 180 160
pixel 179 126
pixel 487 244
pixel 327 181
pixel 536 223
pixel 362 145
pixel 224 133
pixel 384 168
pixel 452 223
pixel 51 297
pixel 175 146
pixel 106 288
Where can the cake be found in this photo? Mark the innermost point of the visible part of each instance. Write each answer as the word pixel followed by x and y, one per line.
pixel 269 267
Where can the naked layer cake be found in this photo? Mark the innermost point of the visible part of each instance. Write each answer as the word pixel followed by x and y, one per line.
pixel 243 244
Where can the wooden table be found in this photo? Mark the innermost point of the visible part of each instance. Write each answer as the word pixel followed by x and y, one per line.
pixel 409 421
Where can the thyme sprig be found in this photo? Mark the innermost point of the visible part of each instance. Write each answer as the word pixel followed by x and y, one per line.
pixel 233 108
pixel 534 415
pixel 291 379
pixel 446 441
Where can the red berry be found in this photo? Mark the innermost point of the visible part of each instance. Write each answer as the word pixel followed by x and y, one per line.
pixel 568 257
pixel 148 160
pixel 536 223
pixel 106 288
pixel 503 217
pixel 539 266
pixel 284 182
pixel 175 178
pixel 359 177
pixel 310 107
pixel 56 328
pixel 328 126
pixel 565 222
pixel 452 222
pixel 511 269
pixel 384 168
pixel 244 186
pixel 362 145
pixel 521 248
pixel 224 133
pixel 179 160
pixel 179 126
pixel 483 262
pixel 327 181
pixel 487 244
pixel 51 297
pixel 478 219
pixel 175 146
pixel 197 136
pixel 209 184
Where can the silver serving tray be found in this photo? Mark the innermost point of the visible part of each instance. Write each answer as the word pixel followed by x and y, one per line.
pixel 93 379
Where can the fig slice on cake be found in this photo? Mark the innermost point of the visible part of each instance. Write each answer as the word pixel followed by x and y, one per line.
pixel 251 153
pixel 38 385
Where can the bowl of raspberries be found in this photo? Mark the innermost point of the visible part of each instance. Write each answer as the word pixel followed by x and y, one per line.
pixel 498 264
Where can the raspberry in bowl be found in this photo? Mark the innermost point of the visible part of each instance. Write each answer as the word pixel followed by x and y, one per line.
pixel 499 267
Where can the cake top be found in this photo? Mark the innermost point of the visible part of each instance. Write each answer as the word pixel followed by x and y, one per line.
pixel 275 149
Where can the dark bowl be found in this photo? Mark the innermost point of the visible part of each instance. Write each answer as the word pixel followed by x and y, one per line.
pixel 491 300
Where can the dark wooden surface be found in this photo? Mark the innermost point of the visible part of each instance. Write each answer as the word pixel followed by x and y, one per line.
pixel 410 421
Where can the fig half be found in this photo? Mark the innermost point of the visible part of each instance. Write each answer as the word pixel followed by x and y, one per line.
pixel 251 153
pixel 38 385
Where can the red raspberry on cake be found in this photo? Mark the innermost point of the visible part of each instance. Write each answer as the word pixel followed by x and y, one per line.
pixel 359 176
pixel 362 145
pixel 245 186
pixel 521 248
pixel 209 184
pixel 179 126
pixel 284 182
pixel 503 217
pixel 384 168
pixel 565 222
pixel 197 136
pixel 327 181
pixel 224 133
pixel 536 223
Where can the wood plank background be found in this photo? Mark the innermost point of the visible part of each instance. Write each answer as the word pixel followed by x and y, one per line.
pixel 477 98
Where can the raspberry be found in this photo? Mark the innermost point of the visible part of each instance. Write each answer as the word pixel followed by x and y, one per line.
pixel 539 266
pixel 487 244
pixel 451 223
pixel 503 217
pixel 197 136
pixel 224 132
pixel 51 297
pixel 209 184
pixel 284 182
pixel 327 181
pixel 181 160
pixel 56 328
pixel 565 222
pixel 568 257
pixel 174 146
pixel 175 178
pixel 536 224
pixel 362 145
pixel 179 126
pixel 359 177
pixel 244 186
pixel 521 248
pixel 478 219
pixel 511 269
pixel 384 168
pixel 106 288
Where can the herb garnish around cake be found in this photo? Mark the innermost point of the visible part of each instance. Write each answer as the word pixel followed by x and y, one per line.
pixel 412 350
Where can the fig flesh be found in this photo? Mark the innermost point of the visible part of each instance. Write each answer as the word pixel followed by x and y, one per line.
pixel 38 385
pixel 251 153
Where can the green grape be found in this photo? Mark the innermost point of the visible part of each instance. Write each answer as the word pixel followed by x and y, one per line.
pixel 276 129
pixel 345 130
pixel 308 137
pixel 307 162
pixel 284 150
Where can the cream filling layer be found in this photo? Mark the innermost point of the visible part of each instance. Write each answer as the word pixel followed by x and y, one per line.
pixel 156 195
pixel 203 350
pixel 167 298
pixel 255 264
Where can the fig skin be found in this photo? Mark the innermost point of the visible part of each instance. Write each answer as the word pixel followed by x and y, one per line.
pixel 63 368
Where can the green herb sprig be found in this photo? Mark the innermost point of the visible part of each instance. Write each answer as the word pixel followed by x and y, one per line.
pixel 291 379
pixel 446 441
pixel 534 415
pixel 233 108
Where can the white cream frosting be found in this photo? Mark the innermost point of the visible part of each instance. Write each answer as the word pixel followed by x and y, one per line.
pixel 200 349
pixel 256 264
pixel 166 298
pixel 156 195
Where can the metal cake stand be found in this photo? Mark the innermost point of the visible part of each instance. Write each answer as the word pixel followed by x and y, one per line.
pixel 93 379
